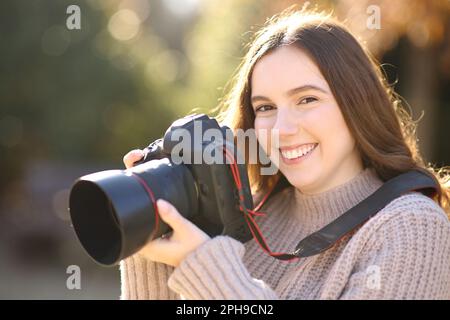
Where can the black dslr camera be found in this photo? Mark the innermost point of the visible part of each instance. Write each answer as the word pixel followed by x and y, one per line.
pixel 113 211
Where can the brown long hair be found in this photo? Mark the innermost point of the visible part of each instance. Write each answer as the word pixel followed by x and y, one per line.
pixel 384 132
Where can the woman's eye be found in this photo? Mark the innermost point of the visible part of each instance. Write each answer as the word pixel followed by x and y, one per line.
pixel 264 108
pixel 307 100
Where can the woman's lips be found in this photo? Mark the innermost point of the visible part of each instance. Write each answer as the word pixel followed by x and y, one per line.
pixel 298 153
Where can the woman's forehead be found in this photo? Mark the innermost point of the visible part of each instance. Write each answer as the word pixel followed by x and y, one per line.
pixel 286 67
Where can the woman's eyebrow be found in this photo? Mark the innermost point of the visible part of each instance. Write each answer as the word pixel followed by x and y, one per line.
pixel 293 91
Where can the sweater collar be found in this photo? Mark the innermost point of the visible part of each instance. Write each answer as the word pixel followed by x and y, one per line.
pixel 315 211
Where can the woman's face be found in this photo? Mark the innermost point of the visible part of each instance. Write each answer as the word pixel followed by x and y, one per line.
pixel 316 151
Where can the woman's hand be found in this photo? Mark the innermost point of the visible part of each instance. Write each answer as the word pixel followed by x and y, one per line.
pixel 131 157
pixel 185 237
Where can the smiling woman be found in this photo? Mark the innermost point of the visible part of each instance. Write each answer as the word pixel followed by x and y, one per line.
pixel 342 135
pixel 318 151
pixel 305 70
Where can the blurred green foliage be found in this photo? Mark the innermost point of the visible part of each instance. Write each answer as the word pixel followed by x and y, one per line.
pixel 83 95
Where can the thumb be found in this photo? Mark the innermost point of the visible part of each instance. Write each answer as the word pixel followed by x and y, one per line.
pixel 170 215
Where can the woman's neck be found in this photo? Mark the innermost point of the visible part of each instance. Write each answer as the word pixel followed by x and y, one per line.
pixel 319 209
pixel 351 167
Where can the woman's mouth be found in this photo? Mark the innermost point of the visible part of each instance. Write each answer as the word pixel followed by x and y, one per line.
pixel 297 154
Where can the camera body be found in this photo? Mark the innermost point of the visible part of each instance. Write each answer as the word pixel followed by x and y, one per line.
pixel 113 211
pixel 218 199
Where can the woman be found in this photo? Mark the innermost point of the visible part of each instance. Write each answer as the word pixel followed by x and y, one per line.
pixel 341 135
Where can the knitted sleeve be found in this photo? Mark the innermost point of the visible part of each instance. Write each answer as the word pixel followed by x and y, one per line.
pixel 406 257
pixel 216 271
pixel 144 279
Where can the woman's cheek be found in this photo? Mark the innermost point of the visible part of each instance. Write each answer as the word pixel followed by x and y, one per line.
pixel 330 131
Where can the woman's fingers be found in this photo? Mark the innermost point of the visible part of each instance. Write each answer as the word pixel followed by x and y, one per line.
pixel 156 249
pixel 131 157
pixel 170 215
pixel 185 237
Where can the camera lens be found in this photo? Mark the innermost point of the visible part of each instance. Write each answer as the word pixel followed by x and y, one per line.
pixel 112 211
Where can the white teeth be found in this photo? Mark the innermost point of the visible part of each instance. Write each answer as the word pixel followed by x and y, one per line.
pixel 300 151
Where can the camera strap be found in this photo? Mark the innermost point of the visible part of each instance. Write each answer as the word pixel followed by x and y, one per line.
pixel 349 221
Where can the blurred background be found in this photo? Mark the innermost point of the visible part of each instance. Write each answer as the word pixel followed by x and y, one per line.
pixel 74 102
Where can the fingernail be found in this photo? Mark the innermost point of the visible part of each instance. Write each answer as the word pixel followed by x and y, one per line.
pixel 138 153
pixel 162 204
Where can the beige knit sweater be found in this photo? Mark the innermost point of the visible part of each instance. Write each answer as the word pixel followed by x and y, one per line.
pixel 403 252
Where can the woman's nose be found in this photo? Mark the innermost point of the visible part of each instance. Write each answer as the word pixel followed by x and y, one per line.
pixel 286 123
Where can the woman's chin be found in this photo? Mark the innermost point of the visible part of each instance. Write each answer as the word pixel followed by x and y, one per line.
pixel 304 182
